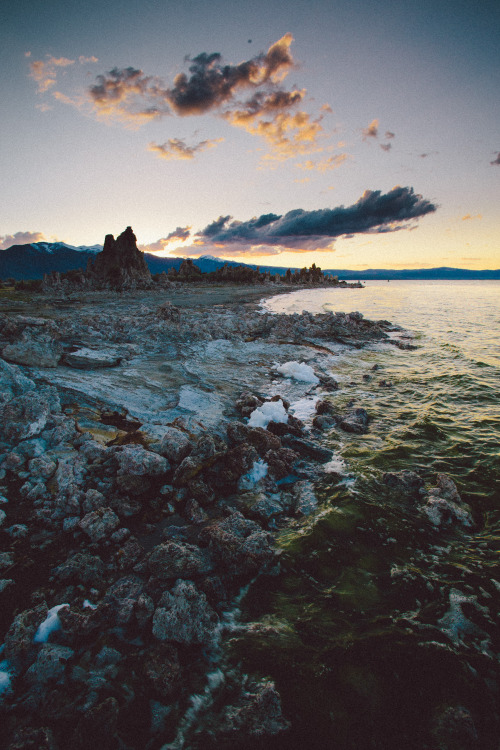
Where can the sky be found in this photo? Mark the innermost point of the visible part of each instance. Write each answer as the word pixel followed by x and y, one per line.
pixel 352 134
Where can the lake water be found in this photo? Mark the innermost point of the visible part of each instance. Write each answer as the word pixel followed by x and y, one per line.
pixel 380 630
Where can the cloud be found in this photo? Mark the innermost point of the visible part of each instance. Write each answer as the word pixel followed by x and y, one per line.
pixel 388 135
pixel 129 95
pixel 20 238
pixel 85 60
pixel 176 149
pixel 468 217
pixel 386 146
pixel 181 234
pixel 44 72
pixel 303 231
pixel 497 160
pixel 371 131
pixel 331 162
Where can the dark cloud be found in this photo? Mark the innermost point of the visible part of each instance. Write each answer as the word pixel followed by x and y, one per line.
pixel 388 135
pixel 386 146
pixel 301 231
pixel 130 95
pixel 175 148
pixel 497 160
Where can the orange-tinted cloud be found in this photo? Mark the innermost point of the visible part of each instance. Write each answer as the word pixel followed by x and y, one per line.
pixel 176 149
pixel 181 234
pixel 20 238
pixel 325 165
pixel 371 131
pixel 44 72
pixel 468 217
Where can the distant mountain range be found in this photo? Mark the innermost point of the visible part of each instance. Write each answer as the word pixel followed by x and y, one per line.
pixel 34 260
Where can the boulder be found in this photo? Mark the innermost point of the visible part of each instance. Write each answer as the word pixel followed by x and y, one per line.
pixel 355 421
pixel 184 616
pixel 177 560
pixel 34 350
pixel 50 663
pixel 99 524
pixel 175 445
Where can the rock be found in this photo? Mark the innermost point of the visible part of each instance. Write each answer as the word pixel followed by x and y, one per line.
pixel 355 421
pixel 324 422
pixel 97 728
pixel 136 466
pixel 281 462
pixel 264 507
pixel 453 729
pixel 184 616
pixel 162 669
pixel 81 567
pixel 26 416
pixel 307 448
pixel 50 663
pixel 306 501
pixel 98 524
pixel 404 482
pixel 13 382
pixel 444 506
pixel 257 714
pixel 175 445
pixel 29 738
pixel 17 531
pixel 4 582
pixel 121 598
pixel 19 647
pixel 92 359
pixel 120 265
pixel 177 560
pixel 247 402
pixel 3 516
pixel 238 544
pixel 34 350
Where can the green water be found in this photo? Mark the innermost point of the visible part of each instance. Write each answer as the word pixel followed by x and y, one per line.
pixel 380 631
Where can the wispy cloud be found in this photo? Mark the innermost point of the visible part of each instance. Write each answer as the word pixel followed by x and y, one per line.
pixel 181 234
pixel 468 217
pixel 496 161
pixel 371 131
pixel 176 149
pixel 20 238
pixel 325 165
pixel 44 72
pixel 303 231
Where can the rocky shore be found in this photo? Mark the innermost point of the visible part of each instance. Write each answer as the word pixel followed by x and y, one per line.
pixel 149 451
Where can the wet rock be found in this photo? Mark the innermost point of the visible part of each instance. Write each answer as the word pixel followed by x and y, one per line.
pixel 99 524
pixel 257 714
pixel 80 567
pixel 324 422
pixel 184 616
pixel 129 554
pixel 50 663
pixel 264 507
pixel 175 445
pixel 19 647
pixel 325 407
pixel 293 426
pixel 177 560
pixel 134 460
pixel 29 738
pixel 247 402
pixel 453 729
pixel 305 500
pixel 162 669
pixel 406 483
pixel 3 516
pixel 201 491
pixel 281 462
pixel 194 512
pixel 307 448
pixel 444 506
pixel 97 728
pixel 355 421
pixel 238 544
pixel 34 349
pixel 121 598
pixel 92 359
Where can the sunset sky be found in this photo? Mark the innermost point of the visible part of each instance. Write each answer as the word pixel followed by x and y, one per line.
pixel 349 133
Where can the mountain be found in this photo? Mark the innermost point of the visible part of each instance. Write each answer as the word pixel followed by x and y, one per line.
pixel 33 261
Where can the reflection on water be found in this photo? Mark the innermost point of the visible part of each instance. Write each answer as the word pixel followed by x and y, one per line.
pixel 380 631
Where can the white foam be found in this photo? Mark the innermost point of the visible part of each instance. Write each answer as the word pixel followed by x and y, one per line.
pixel 298 371
pixel 89 605
pixel 5 677
pixel 270 411
pixel 49 625
pixel 337 465
pixel 305 408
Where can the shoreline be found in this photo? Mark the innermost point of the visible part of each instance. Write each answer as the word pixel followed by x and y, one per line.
pixel 142 532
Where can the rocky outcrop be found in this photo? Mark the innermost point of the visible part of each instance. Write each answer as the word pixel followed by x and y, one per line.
pixel 120 265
